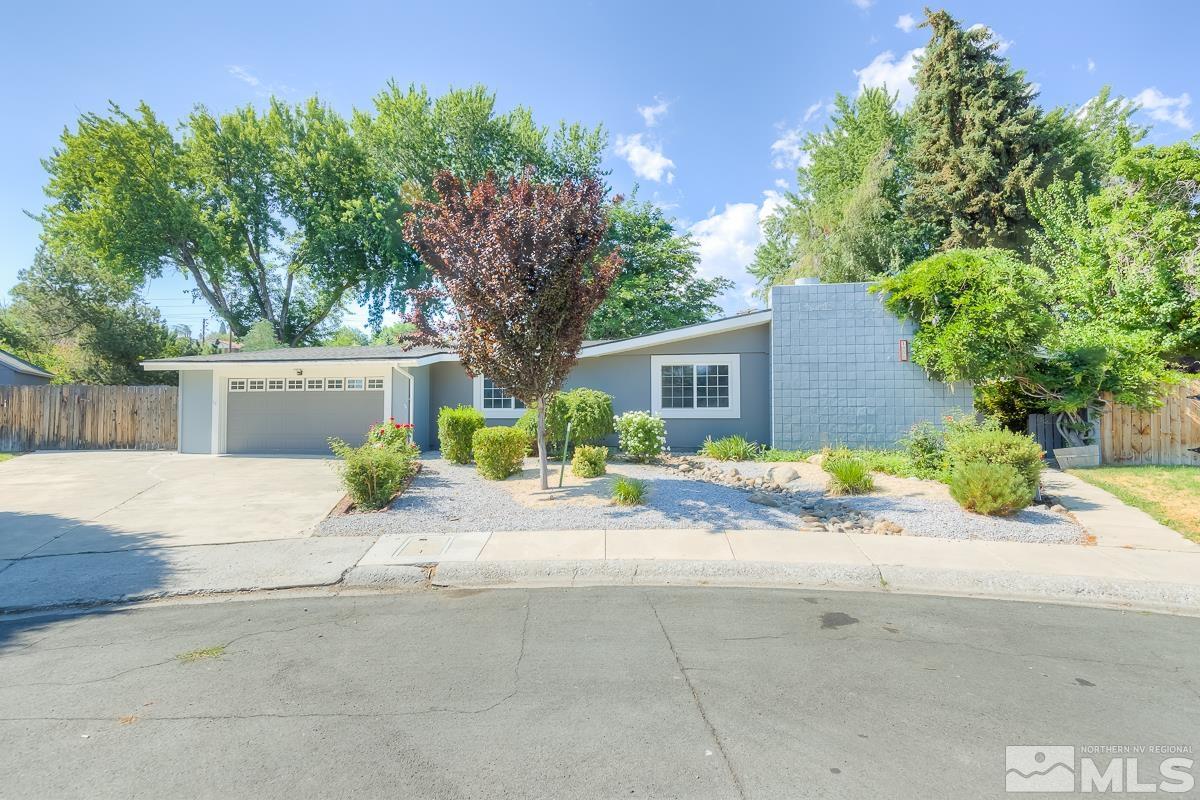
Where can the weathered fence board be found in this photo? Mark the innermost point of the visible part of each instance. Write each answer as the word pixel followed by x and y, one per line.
pixel 80 417
pixel 1167 435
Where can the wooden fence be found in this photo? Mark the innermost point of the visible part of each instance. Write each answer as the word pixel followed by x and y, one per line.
pixel 79 417
pixel 1167 435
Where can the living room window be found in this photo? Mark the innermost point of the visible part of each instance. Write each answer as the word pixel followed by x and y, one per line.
pixel 697 386
pixel 494 401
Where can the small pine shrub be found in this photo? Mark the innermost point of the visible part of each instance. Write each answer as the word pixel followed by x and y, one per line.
pixel 730 448
pixel 499 451
pixel 997 446
pixel 993 489
pixel 642 436
pixel 456 427
pixel 848 474
pixel 372 474
pixel 628 492
pixel 589 461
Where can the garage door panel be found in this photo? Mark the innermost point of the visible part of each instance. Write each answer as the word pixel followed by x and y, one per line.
pixel 298 422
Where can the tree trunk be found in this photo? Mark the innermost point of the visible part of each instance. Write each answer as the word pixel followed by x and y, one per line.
pixel 543 467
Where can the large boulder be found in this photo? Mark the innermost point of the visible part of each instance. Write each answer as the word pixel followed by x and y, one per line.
pixel 782 474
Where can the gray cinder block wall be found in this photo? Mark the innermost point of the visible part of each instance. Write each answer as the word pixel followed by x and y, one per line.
pixel 837 377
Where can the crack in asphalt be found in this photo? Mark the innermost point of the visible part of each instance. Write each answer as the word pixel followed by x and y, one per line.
pixel 712 730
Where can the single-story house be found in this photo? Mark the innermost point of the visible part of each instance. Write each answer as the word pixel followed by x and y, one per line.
pixel 823 364
pixel 19 372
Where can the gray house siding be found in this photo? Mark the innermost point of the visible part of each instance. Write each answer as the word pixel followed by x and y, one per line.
pixel 195 411
pixel 11 377
pixel 626 376
pixel 424 434
pixel 838 377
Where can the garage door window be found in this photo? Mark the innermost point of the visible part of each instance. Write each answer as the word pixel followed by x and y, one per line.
pixel 335 384
pixel 354 384
pixel 274 384
pixel 375 383
pixel 237 384
pixel 295 384
pixel 314 384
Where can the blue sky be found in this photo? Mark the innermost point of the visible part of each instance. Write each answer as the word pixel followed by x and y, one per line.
pixel 703 101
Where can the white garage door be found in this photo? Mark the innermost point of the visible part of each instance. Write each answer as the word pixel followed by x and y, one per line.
pixel 298 415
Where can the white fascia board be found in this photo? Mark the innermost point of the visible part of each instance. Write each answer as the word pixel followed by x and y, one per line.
pixel 678 334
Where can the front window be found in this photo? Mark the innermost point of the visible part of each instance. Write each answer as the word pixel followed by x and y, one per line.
pixel 696 386
pixel 496 398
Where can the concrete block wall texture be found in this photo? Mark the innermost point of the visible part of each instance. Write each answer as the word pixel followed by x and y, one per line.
pixel 836 373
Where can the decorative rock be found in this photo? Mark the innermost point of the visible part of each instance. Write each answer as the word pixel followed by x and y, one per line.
pixel 764 499
pixel 733 472
pixel 811 518
pixel 1058 509
pixel 782 474
pixel 816 458
pixel 685 468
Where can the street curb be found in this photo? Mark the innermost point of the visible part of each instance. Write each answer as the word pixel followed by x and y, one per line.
pixel 999 585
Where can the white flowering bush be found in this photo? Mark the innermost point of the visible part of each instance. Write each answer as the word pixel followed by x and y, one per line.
pixel 641 434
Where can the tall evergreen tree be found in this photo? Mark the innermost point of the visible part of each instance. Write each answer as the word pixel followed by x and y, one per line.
pixel 979 141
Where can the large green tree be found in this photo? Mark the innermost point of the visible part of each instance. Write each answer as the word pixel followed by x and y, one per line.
pixel 979 142
pixel 845 221
pixel 84 324
pixel 987 317
pixel 658 287
pixel 1128 256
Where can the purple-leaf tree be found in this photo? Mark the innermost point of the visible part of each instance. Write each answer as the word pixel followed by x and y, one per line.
pixel 521 267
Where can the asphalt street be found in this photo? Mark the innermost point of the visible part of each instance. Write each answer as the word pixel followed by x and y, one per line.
pixel 563 693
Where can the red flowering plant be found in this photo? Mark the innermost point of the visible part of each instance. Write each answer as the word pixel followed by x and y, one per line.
pixel 392 435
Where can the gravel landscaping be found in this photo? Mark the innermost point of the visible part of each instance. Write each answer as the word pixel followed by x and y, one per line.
pixel 451 498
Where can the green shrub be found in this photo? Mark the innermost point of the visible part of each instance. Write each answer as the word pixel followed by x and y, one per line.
pixel 730 448
pixel 588 410
pixel 499 451
pixel 372 474
pixel 589 460
pixel 556 424
pixel 456 427
pixel 889 462
pixel 848 474
pixel 925 447
pixel 995 446
pixel 628 491
pixel 994 489
pixel 642 436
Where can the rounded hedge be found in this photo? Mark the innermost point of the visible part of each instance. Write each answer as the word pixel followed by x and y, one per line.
pixel 499 451
pixel 456 426
pixel 1016 450
pixel 588 410
pixel 994 489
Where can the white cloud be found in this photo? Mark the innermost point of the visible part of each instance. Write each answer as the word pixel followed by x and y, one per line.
pixel 788 150
pixel 780 183
pixel 906 23
pixel 813 110
pixel 243 75
pixel 1001 43
pixel 652 114
pixel 727 240
pixel 645 158
pixel 1164 108
pixel 863 4
pixel 892 73
pixel 1091 65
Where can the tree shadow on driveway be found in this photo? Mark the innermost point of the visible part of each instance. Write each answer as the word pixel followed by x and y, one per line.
pixel 120 565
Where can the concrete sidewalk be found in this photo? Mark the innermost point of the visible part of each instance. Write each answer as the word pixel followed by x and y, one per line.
pixel 1105 575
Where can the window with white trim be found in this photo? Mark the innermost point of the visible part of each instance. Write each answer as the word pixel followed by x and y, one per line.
pixel 295 384
pixel 354 384
pixel 698 386
pixel 494 397
pixel 256 385
pixel 274 384
pixel 375 384
pixel 237 384
pixel 335 384
pixel 314 384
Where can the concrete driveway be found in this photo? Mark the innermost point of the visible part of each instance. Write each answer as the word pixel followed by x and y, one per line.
pixel 54 503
